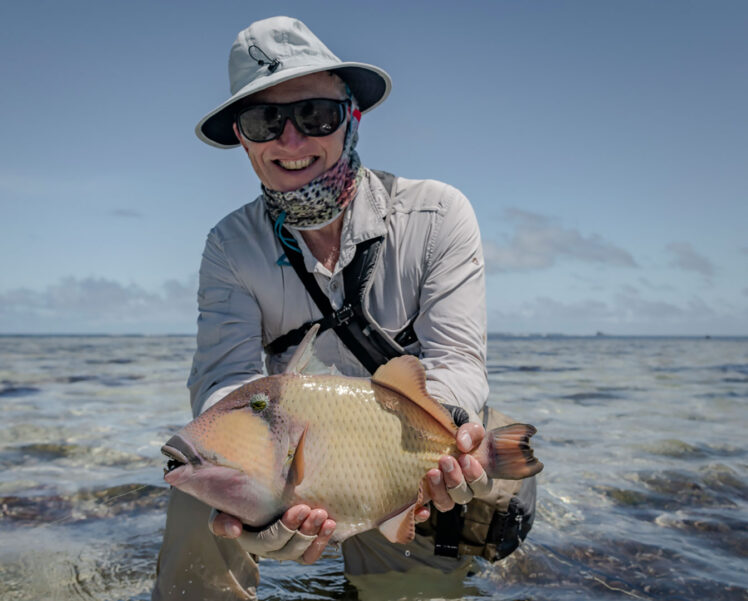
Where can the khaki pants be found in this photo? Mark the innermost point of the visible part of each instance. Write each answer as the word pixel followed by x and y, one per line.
pixel 195 565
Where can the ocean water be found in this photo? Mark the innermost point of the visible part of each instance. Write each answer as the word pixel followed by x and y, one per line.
pixel 644 493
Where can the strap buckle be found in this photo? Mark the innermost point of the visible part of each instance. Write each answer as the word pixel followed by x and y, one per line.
pixel 343 315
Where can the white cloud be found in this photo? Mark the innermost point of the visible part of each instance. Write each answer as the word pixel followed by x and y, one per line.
pixel 686 258
pixel 628 312
pixel 102 305
pixel 539 243
pixel 652 286
pixel 127 213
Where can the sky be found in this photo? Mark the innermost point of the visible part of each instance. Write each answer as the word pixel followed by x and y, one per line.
pixel 603 146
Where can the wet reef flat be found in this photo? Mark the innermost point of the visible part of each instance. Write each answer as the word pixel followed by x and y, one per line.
pixel 644 494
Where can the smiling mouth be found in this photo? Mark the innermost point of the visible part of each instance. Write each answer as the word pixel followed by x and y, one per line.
pixel 295 165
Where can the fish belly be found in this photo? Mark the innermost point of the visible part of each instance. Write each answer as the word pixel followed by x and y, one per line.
pixel 366 449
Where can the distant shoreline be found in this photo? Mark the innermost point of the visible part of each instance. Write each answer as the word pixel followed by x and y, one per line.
pixel 491 336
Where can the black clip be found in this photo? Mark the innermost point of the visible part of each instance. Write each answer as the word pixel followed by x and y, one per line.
pixel 272 63
pixel 343 315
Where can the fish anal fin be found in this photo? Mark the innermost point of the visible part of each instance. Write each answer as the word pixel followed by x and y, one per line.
pixel 400 528
pixel 406 376
pixel 296 472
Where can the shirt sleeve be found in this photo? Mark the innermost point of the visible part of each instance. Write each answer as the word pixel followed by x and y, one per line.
pixel 229 331
pixel 451 325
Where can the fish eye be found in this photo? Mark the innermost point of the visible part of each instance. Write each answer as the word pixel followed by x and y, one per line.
pixel 258 402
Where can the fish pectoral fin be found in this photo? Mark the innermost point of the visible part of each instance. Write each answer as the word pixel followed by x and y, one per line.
pixel 400 528
pixel 407 376
pixel 296 472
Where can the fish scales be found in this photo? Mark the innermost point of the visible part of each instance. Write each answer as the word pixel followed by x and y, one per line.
pixel 356 428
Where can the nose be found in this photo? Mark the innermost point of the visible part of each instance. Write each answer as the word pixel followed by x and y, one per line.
pixel 290 136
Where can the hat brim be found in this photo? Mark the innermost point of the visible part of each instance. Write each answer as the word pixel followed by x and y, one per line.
pixel 369 84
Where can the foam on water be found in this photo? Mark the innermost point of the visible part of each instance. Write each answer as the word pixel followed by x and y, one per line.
pixel 644 493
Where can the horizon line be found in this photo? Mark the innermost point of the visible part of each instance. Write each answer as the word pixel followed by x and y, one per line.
pixel 489 335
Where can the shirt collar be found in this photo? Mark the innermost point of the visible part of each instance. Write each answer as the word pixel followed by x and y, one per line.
pixel 365 217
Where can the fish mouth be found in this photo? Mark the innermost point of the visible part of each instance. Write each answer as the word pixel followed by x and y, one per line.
pixel 180 454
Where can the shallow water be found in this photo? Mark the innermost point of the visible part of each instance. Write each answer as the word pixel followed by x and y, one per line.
pixel 644 494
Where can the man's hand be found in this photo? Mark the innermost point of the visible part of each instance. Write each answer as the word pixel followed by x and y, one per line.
pixel 301 534
pixel 457 480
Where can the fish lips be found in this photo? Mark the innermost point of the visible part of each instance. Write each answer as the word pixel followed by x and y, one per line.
pixel 225 488
pixel 183 459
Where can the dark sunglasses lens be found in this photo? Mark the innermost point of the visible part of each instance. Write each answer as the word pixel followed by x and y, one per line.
pixel 318 117
pixel 261 123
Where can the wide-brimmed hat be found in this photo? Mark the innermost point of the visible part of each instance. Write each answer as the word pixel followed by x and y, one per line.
pixel 274 50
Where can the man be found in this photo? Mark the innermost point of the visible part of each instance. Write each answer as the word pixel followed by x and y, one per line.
pixel 295 109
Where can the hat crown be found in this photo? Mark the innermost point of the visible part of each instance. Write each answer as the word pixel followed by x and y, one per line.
pixel 274 45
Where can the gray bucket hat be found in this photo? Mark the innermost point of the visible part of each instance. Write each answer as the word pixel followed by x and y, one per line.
pixel 274 50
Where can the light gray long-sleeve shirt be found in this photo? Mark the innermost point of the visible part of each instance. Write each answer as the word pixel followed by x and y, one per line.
pixel 431 269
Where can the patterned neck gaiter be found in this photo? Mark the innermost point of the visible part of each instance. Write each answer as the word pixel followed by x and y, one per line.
pixel 319 202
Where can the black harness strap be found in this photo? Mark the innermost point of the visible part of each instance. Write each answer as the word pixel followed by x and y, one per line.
pixel 369 346
pixel 346 321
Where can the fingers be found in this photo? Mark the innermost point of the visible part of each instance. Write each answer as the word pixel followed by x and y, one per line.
pixel 295 516
pixel 469 436
pixel 438 490
pixel 312 524
pixel 457 482
pixel 471 469
pixel 475 476
pixel 224 525
pixel 421 514
pixel 314 551
pixel 457 488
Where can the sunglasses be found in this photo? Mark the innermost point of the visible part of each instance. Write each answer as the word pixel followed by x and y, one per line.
pixel 312 117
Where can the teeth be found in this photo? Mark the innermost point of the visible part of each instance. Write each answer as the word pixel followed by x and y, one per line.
pixel 296 165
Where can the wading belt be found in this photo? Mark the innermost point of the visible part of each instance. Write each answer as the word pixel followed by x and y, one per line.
pixel 362 338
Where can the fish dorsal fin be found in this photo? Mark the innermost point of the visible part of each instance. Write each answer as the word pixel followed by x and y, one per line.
pixel 304 352
pixel 406 376
pixel 304 360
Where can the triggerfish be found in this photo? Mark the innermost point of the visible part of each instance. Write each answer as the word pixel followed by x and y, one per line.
pixel 357 447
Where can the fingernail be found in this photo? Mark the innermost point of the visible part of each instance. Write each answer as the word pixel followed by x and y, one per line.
pixel 435 478
pixel 465 462
pixel 448 466
pixel 318 521
pixel 327 532
pixel 466 441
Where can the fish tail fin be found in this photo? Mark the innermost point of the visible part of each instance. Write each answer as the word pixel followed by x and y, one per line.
pixel 506 453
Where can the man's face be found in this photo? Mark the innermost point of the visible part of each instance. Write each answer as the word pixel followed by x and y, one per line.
pixel 293 159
